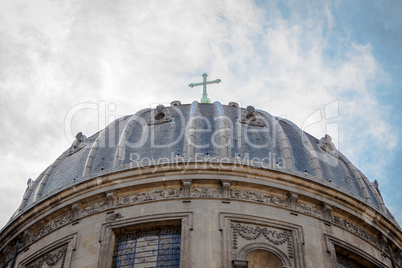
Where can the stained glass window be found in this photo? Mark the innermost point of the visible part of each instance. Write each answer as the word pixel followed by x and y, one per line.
pixel 156 247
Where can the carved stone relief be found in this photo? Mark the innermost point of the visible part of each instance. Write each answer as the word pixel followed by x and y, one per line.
pixel 259 197
pixel 94 208
pixel 251 118
pixel 160 116
pixel 52 225
pixel 358 231
pixel 206 192
pixel 242 234
pixel 308 209
pixel 54 259
pixel 151 195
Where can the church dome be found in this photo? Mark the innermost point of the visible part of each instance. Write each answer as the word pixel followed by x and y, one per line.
pixel 204 133
pixel 201 185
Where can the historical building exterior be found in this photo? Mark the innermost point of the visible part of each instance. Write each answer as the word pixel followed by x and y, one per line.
pixel 201 185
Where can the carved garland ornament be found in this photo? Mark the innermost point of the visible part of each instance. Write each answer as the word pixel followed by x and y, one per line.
pixel 94 208
pixel 52 225
pixel 51 259
pixel 308 209
pixel 151 195
pixel 249 233
pixel 259 197
pixel 357 230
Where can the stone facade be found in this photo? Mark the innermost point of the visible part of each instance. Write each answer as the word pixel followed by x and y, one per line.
pixel 223 216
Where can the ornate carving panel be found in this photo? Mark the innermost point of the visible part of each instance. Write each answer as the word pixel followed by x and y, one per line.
pixel 52 226
pixel 151 195
pixel 242 234
pixel 357 231
pixel 206 192
pixel 310 210
pixel 54 259
pixel 94 208
pixel 259 197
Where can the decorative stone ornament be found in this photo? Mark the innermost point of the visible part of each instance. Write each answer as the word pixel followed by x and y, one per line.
pixel 175 103
pixel 251 118
pixel 233 104
pixel 327 145
pixel 79 143
pixel 160 116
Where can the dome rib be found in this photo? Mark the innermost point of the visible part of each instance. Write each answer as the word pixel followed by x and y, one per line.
pixel 378 197
pixel 224 138
pixel 120 150
pixel 359 178
pixel 95 147
pixel 47 175
pixel 309 148
pixel 284 145
pixel 191 131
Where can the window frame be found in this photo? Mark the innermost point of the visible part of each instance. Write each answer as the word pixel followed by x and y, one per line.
pixel 333 242
pixel 110 229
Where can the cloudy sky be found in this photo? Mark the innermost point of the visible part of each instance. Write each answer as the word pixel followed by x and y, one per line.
pixel 70 66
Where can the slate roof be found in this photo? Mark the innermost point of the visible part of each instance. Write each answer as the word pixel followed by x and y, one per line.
pixel 202 130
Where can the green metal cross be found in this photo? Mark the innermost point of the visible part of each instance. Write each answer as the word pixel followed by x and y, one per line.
pixel 205 98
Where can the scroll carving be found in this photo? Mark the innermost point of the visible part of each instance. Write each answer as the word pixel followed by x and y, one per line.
pixel 259 197
pixel 151 195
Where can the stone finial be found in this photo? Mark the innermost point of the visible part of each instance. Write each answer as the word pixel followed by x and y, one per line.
pixel 160 108
pixel 326 144
pixel 250 117
pixel 175 103
pixel 78 143
pixel 250 109
pixel 233 104
pixel 160 116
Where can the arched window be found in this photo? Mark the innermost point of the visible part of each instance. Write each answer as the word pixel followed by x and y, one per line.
pixel 263 259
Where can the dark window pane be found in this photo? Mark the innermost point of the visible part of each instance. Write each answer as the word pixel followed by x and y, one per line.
pixel 156 247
